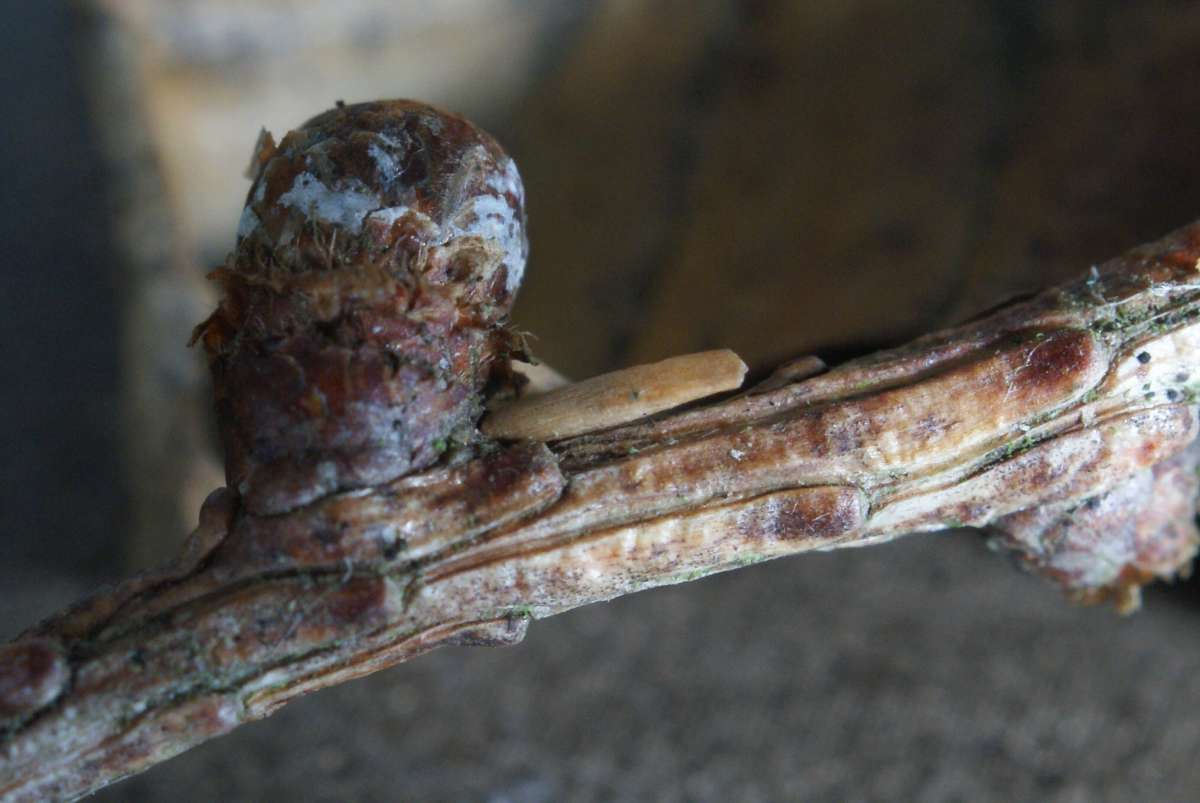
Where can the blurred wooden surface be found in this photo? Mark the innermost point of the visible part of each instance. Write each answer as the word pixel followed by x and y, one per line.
pixel 779 177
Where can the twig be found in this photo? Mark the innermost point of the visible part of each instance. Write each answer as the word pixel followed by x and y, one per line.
pixel 1063 422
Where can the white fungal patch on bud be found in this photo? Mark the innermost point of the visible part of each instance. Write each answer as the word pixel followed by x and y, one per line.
pixel 510 220
pixel 491 218
pixel 481 198
pixel 387 164
pixel 345 206
pixel 389 216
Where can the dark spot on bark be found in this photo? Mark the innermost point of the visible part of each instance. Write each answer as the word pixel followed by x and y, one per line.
pixel 1049 365
pixel 824 512
pixel 358 601
pixel 1143 357
pixel 32 673
pixel 392 549
pixel 1181 258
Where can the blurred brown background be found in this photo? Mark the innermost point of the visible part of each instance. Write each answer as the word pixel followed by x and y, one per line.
pixel 771 176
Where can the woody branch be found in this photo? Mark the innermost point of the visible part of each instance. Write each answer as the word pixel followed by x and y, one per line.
pixel 372 517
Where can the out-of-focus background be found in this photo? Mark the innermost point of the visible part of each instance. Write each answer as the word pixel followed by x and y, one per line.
pixel 772 176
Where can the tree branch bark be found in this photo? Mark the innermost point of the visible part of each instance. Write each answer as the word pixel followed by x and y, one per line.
pixel 1066 423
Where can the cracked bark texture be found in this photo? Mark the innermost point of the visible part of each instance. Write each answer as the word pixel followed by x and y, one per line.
pixel 1061 421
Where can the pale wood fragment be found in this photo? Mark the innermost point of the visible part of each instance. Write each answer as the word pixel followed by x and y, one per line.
pixel 542 378
pixel 790 372
pixel 617 398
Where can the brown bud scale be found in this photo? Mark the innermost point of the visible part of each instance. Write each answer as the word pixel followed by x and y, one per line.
pixel 363 309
